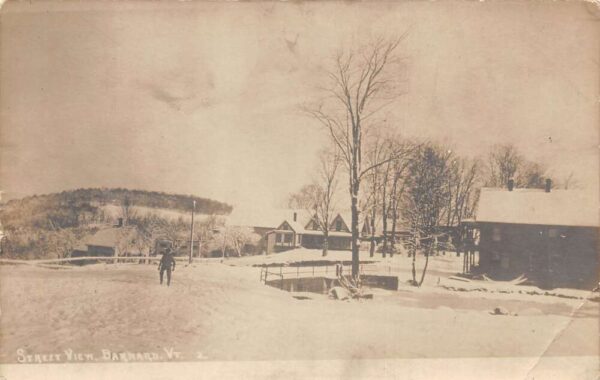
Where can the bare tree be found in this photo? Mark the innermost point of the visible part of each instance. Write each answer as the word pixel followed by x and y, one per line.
pixel 324 197
pixel 377 151
pixel 505 163
pixel 236 238
pixel 318 198
pixel 568 182
pixel 305 198
pixel 360 85
pixel 176 231
pixel 397 187
pixel 205 232
pixel 61 242
pixel 462 178
pixel 531 175
pixel 148 228
pixel 127 212
pixel 393 186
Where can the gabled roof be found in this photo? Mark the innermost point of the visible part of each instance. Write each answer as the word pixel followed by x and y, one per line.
pixel 312 222
pixel 346 222
pixel 296 226
pixel 362 218
pixel 531 206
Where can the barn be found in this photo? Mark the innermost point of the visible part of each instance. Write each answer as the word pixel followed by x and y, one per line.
pixel 550 236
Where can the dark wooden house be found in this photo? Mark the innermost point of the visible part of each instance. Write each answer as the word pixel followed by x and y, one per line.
pixel 550 236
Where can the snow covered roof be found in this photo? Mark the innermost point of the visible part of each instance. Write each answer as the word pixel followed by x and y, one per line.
pixel 531 206
pixel 296 226
pixel 273 218
pixel 363 217
pixel 109 237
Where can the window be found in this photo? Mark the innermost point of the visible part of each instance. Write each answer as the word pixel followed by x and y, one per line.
pixel 338 225
pixel 496 234
pixel 279 238
pixel 288 238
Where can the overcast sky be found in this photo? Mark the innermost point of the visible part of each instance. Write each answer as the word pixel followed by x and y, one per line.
pixel 203 98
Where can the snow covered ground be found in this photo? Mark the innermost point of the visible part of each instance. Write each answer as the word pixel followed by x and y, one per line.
pixel 220 311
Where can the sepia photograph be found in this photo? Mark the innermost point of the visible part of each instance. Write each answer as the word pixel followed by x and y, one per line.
pixel 299 189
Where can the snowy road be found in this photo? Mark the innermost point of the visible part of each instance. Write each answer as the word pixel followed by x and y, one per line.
pixel 220 312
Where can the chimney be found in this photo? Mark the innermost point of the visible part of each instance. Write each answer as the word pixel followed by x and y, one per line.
pixel 511 184
pixel 548 185
pixel 295 216
pixel 120 222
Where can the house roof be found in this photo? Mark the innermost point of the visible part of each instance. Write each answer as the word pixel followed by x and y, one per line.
pixel 531 206
pixel 108 237
pixel 296 226
pixel 273 218
pixel 363 217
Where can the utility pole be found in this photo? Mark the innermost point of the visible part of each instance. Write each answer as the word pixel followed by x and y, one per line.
pixel 224 243
pixel 192 233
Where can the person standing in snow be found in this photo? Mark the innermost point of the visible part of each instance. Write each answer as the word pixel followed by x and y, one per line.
pixel 167 263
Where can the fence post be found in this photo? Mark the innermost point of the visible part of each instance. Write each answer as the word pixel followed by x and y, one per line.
pixel 266 273
pixel 313 271
pixel 281 275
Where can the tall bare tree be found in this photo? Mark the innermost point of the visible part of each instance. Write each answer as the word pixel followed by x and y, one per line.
pixel 327 183
pixel 377 151
pixel 393 174
pixel 462 178
pixel 304 198
pixel 319 197
pixel 360 84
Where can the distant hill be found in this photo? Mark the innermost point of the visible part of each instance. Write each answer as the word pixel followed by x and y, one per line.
pixel 69 208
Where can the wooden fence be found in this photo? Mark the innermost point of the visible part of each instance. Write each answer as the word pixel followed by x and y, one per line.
pixel 323 270
pixel 53 263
